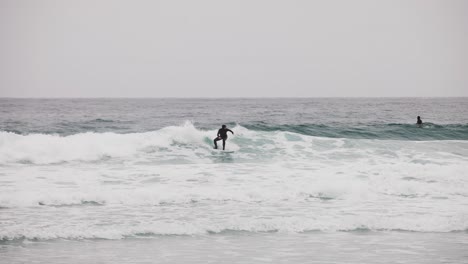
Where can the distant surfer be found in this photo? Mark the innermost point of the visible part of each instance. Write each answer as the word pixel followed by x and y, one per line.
pixel 222 134
pixel 419 122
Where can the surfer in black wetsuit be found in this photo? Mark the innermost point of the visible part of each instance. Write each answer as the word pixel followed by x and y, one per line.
pixel 222 134
pixel 419 122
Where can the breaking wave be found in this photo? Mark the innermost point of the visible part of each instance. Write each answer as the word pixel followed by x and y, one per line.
pixel 189 144
pixel 171 182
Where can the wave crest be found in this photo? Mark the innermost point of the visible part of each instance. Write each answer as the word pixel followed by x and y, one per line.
pixel 188 144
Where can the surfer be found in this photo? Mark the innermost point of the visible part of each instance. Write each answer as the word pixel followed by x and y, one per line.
pixel 222 134
pixel 419 122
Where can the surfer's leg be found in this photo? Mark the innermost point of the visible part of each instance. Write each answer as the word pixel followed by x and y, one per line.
pixel 224 143
pixel 214 141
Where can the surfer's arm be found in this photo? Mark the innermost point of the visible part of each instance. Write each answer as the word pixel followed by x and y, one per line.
pixel 231 131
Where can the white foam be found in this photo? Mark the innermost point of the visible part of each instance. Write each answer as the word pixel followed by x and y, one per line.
pixel 191 144
pixel 293 224
pixel 170 181
pixel 45 149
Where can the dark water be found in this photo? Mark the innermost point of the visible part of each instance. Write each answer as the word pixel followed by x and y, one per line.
pixel 370 118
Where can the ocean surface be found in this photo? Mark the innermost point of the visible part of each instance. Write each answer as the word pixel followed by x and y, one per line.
pixel 326 180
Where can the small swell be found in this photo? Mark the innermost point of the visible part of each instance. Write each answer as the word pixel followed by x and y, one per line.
pixel 82 203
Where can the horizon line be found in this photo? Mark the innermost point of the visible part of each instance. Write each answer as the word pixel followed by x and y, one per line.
pixel 235 97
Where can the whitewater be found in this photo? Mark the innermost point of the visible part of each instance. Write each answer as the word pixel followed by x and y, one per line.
pixel 120 183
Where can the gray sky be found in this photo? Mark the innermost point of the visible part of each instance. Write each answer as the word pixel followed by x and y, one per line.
pixel 254 48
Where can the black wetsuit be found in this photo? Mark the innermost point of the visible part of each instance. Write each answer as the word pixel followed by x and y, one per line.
pixel 222 134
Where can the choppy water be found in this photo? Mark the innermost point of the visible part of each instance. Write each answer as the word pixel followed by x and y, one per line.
pixel 127 168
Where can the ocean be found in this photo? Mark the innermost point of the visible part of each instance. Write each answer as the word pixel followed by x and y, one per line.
pixel 322 180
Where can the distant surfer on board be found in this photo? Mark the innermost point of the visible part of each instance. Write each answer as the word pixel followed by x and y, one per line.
pixel 419 122
pixel 222 134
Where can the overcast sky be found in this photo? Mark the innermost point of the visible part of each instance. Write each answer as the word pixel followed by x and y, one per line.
pixel 251 48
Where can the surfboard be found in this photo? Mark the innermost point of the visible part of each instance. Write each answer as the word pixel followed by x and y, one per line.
pixel 223 151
